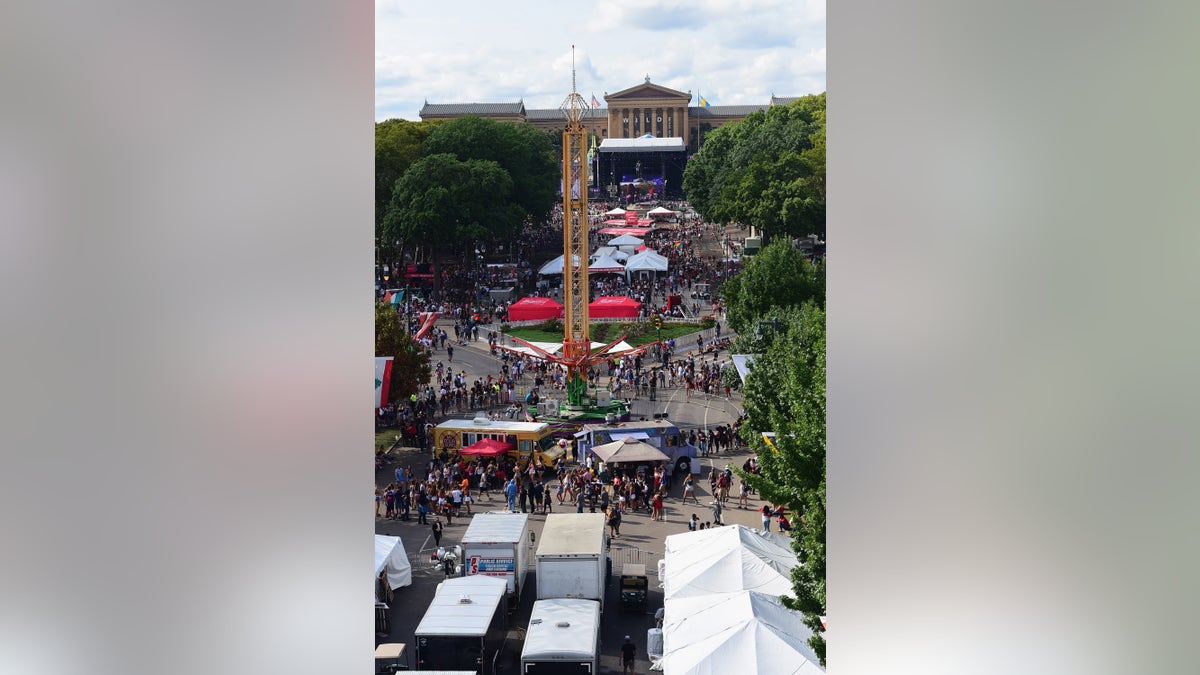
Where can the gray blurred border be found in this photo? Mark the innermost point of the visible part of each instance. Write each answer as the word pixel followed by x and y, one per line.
pixel 186 198
pixel 1012 337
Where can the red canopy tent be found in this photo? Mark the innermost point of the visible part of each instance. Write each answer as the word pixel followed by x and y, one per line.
pixel 614 307
pixel 534 309
pixel 635 231
pixel 486 447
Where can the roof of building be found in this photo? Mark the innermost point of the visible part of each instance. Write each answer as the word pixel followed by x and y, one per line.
pixel 783 100
pixel 543 114
pixel 724 110
pixel 669 144
pixel 441 109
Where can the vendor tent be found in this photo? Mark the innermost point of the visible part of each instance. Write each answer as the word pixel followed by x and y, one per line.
pixel 605 263
pixel 612 252
pixel 660 211
pixel 555 266
pixel 629 450
pixel 391 558
pixel 636 231
pixel 487 447
pixel 614 307
pixel 625 240
pixel 744 631
pixel 723 560
pixel 646 261
pixel 615 212
pixel 535 309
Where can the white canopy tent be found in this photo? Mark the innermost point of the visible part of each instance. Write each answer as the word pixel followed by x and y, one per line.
pixel 605 263
pixel 555 266
pixel 741 362
pixel 660 211
pixel 743 631
pixel 629 450
pixel 391 557
pixel 615 212
pixel 611 251
pixel 646 261
pixel 724 560
pixel 626 241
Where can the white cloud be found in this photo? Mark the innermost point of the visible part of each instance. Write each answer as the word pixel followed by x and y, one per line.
pixel 733 51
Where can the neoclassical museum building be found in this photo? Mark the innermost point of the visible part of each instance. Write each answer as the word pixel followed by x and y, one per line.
pixel 645 133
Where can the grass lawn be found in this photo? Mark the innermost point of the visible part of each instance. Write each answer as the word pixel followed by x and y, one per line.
pixel 669 330
pixel 386 437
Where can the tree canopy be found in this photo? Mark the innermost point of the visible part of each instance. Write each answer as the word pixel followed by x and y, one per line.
pixel 441 201
pixel 779 276
pixel 398 145
pixel 767 170
pixel 785 394
pixel 522 150
pixel 410 364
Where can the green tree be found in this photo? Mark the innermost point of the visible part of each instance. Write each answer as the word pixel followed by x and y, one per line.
pixel 785 394
pixel 779 276
pixel 767 170
pixel 398 145
pixel 522 150
pixel 410 365
pixel 441 201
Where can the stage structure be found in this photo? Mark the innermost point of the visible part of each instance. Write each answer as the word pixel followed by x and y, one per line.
pixel 640 169
pixel 578 352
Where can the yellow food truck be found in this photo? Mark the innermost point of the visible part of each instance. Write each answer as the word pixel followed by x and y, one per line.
pixel 489 438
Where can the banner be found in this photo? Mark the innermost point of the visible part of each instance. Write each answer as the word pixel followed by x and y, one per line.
pixel 383 377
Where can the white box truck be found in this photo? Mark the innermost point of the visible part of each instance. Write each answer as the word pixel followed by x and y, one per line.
pixel 464 627
pixel 572 557
pixel 563 638
pixel 497 545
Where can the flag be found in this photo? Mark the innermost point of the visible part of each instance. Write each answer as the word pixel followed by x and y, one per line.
pixel 595 103
pixel 383 378
pixel 703 102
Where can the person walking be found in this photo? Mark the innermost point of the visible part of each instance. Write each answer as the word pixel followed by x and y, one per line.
pixel 628 656
pixel 510 493
pixel 766 517
pixel 716 509
pixel 437 531
pixel 689 489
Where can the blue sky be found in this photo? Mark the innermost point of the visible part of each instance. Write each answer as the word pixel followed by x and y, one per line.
pixel 731 51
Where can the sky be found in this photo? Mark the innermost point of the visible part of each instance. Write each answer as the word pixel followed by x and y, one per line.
pixel 733 52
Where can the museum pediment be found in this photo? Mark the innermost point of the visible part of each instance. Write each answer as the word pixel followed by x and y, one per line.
pixel 646 91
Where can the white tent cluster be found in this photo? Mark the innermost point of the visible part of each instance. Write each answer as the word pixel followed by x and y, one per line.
pixel 722 611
